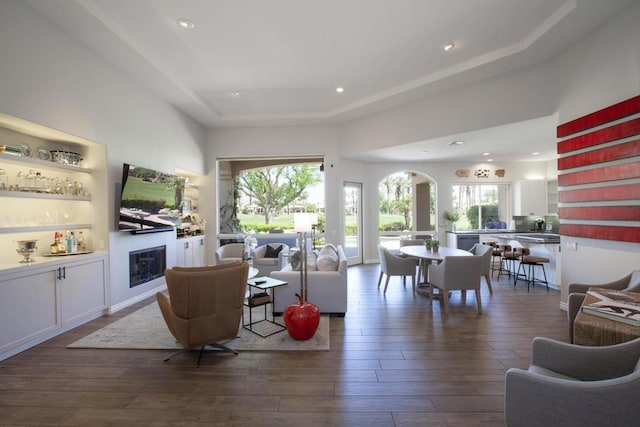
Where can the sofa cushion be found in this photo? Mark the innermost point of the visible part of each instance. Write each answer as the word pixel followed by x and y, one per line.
pixel 328 259
pixel 273 252
pixel 296 261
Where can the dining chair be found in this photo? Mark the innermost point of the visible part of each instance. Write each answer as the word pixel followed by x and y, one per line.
pixel 394 265
pixel 486 252
pixel 456 273
pixel 415 242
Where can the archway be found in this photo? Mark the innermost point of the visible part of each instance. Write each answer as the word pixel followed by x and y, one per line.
pixel 406 204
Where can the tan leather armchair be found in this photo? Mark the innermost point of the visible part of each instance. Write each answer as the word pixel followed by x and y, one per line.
pixel 204 305
pixel 578 291
pixel 456 273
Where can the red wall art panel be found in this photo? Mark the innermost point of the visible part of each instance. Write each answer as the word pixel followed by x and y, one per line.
pixel 599 174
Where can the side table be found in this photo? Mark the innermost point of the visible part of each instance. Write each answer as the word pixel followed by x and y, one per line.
pixel 598 331
pixel 259 284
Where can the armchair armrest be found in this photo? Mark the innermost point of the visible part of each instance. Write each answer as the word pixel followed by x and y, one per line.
pixel 619 284
pixel 583 362
pixel 537 400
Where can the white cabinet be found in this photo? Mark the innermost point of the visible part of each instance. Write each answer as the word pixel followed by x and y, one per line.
pixel 41 300
pixel 40 197
pixel 530 198
pixel 552 197
pixel 82 289
pixel 190 252
pixel 27 308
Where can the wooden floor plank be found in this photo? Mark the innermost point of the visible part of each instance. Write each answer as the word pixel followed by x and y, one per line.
pixel 395 360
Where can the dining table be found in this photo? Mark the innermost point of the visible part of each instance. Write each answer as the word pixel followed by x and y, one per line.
pixel 428 256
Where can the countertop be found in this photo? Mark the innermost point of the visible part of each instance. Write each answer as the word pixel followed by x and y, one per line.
pixel 521 236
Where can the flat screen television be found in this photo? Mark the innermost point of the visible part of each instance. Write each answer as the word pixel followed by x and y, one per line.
pixel 150 200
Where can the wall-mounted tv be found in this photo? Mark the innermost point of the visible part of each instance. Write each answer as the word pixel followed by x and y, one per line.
pixel 150 200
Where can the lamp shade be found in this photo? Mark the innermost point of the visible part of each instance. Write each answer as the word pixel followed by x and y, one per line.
pixel 303 222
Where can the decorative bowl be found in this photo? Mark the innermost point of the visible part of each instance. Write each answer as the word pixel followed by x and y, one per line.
pixel 66 157
pixel 26 248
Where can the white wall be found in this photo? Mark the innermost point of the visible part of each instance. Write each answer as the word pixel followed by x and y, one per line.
pixel 602 70
pixel 49 79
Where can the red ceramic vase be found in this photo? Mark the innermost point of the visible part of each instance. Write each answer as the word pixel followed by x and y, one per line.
pixel 302 319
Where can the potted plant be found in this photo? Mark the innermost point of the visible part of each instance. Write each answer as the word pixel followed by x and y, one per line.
pixel 451 218
pixel 434 245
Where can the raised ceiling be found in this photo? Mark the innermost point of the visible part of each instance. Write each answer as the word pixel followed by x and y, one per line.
pixel 272 62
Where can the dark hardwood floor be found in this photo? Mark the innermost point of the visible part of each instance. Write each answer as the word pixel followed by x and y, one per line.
pixel 395 360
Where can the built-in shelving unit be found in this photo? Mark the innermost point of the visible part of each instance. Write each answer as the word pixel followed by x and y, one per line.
pixel 39 197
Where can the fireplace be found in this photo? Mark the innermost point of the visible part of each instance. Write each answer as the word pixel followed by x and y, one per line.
pixel 146 265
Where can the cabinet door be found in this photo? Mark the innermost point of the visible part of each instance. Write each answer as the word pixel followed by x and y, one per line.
pixel 82 290
pixel 181 248
pixel 530 197
pixel 198 252
pixel 27 308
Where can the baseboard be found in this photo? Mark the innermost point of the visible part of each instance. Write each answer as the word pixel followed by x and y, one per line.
pixel 124 304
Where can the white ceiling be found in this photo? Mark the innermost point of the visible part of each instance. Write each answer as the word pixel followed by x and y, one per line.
pixel 270 62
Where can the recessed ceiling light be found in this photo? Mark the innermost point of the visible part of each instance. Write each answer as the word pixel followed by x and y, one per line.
pixel 485 154
pixel 535 153
pixel 449 46
pixel 186 23
pixel 339 89
pixel 489 160
pixel 456 143
pixel 235 93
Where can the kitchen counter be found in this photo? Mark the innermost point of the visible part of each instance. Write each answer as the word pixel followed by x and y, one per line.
pixel 530 237
pixel 481 231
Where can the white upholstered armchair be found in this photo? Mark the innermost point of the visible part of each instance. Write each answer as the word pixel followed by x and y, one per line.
pixel 572 385
pixel 229 253
pixel 270 257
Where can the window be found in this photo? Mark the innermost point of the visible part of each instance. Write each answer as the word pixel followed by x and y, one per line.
pixel 481 206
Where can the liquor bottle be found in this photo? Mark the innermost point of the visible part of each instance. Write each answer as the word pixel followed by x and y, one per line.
pixel 82 245
pixel 62 245
pixel 67 239
pixel 74 243
pixel 54 245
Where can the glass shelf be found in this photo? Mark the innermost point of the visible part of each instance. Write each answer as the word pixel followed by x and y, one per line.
pixel 34 195
pixel 42 163
pixel 34 228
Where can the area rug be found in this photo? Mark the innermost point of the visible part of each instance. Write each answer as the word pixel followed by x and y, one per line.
pixel 146 329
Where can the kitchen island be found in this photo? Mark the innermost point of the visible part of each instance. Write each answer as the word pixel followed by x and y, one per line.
pixel 540 244
pixel 543 244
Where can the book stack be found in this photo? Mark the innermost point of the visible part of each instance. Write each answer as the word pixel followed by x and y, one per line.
pixel 620 306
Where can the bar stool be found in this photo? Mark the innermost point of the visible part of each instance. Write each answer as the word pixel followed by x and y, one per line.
pixel 496 257
pixel 528 263
pixel 508 260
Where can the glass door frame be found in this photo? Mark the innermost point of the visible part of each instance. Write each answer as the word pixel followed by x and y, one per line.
pixel 357 258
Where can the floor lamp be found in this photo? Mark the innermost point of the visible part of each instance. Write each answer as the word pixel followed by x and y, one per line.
pixel 302 319
pixel 303 224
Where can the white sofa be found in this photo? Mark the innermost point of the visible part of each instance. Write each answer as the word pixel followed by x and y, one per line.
pixel 326 289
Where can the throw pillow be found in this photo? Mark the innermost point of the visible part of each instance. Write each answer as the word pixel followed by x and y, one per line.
pixel 273 252
pixel 296 261
pixel 328 259
pixel 295 258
